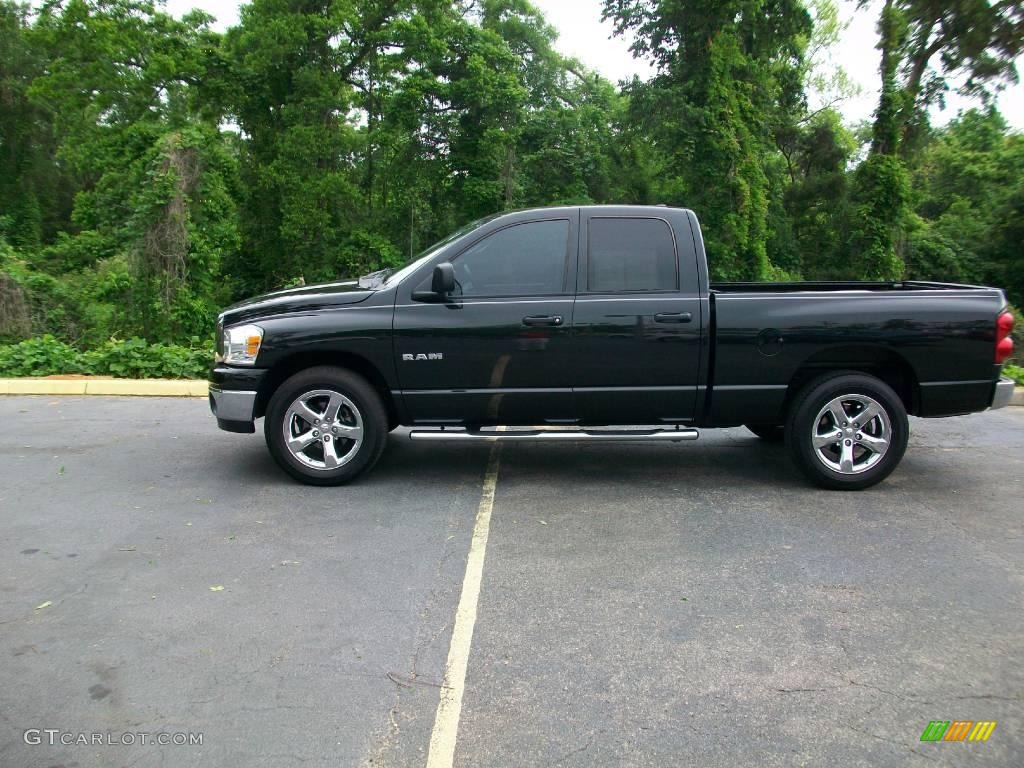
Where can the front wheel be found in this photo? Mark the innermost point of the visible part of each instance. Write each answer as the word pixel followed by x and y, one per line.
pixel 326 426
pixel 847 431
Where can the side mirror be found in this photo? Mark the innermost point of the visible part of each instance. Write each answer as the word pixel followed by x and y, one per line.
pixel 443 281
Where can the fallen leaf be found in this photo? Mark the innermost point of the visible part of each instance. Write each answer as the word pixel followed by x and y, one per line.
pixel 218 588
pixel 47 604
pixel 60 471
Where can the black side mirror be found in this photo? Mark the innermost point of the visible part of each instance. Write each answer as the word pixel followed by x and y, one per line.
pixel 443 281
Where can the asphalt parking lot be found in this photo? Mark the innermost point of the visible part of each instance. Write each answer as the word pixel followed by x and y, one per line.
pixel 640 604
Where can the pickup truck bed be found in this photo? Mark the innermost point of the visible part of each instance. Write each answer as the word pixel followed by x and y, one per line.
pixel 932 341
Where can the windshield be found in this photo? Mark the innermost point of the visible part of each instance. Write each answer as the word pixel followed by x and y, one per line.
pixel 392 277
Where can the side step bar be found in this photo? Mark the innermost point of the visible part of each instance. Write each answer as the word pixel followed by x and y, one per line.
pixel 558 436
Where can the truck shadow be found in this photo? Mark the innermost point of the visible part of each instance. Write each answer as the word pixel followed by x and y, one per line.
pixel 739 464
pixel 403 462
pixel 720 461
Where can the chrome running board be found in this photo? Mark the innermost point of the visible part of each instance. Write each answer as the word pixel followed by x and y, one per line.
pixel 557 435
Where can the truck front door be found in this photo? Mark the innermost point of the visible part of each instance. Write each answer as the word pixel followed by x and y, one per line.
pixel 637 320
pixel 496 351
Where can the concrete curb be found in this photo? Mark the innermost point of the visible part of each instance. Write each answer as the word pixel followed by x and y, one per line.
pixel 1018 396
pixel 128 387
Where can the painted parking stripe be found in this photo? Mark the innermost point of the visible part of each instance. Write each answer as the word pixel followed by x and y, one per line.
pixel 449 708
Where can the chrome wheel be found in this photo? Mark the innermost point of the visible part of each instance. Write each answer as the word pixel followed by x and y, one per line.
pixel 851 434
pixel 323 429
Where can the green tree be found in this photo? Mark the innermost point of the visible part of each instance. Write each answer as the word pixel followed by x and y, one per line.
pixel 969 179
pixel 147 163
pixel 923 44
pixel 33 196
pixel 729 75
pixel 815 199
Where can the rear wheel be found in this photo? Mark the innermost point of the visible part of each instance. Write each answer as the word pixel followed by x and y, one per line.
pixel 771 433
pixel 326 426
pixel 847 431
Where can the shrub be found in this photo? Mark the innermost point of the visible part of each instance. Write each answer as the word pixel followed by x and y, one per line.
pixel 136 359
pixel 42 356
pixel 132 359
pixel 1015 372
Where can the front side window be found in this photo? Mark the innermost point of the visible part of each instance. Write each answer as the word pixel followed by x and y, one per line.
pixel 630 255
pixel 521 260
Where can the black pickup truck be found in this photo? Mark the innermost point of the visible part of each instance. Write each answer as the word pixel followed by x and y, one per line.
pixel 600 323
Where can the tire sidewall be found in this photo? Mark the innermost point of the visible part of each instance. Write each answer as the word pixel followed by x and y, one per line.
pixel 809 404
pixel 352 386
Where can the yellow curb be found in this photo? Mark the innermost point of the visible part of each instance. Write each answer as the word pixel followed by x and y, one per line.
pixel 43 387
pixel 127 387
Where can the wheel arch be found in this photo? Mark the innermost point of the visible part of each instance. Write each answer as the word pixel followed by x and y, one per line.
pixel 880 362
pixel 289 366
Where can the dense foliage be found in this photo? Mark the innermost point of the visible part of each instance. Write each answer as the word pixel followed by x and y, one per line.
pixel 130 359
pixel 153 170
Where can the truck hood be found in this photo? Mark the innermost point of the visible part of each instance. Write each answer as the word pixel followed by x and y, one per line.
pixel 300 299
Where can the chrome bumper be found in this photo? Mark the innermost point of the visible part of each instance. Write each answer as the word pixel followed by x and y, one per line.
pixel 232 406
pixel 1003 394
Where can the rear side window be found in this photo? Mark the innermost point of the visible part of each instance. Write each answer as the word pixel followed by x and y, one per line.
pixel 522 260
pixel 631 255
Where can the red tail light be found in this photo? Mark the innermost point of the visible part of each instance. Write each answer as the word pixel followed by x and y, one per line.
pixel 1004 344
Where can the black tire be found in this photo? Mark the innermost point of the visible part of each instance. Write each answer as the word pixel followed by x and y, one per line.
pixel 803 423
pixel 770 433
pixel 368 409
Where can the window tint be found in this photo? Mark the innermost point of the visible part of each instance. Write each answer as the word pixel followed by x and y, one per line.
pixel 630 255
pixel 522 260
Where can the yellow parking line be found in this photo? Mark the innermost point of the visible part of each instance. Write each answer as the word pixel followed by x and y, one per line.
pixel 446 721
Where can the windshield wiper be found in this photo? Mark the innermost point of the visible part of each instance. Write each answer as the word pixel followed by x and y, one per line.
pixel 375 279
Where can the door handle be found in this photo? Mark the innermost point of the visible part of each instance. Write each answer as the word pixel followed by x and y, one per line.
pixel 542 320
pixel 673 317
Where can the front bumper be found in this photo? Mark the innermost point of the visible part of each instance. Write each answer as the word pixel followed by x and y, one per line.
pixel 1003 393
pixel 234 396
pixel 233 409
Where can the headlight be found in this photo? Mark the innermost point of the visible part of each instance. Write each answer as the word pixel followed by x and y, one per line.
pixel 240 345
